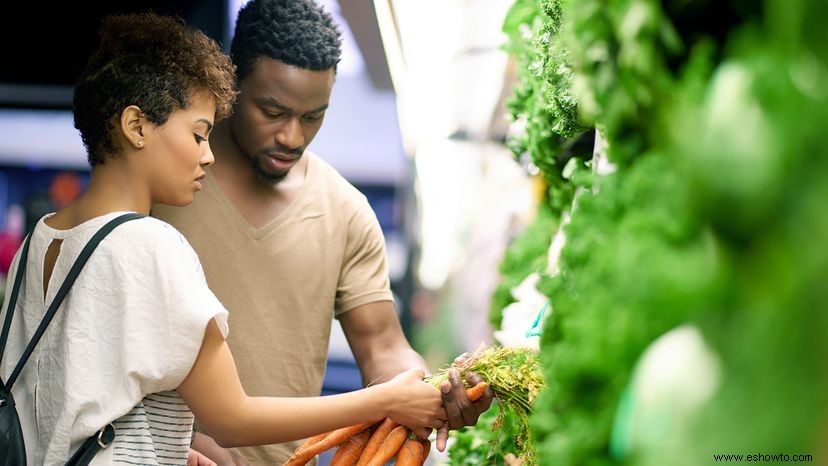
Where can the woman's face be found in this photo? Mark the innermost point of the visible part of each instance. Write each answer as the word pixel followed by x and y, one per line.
pixel 179 152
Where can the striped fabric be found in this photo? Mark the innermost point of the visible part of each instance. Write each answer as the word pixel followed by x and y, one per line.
pixel 156 432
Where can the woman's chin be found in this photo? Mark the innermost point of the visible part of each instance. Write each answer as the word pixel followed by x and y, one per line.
pixel 178 201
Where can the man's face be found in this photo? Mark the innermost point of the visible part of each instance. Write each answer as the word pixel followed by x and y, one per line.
pixel 279 110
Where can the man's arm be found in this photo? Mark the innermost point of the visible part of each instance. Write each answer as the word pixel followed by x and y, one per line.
pixel 378 343
pixel 382 351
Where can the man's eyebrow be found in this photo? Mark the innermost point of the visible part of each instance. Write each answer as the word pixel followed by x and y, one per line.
pixel 206 122
pixel 271 102
pixel 319 109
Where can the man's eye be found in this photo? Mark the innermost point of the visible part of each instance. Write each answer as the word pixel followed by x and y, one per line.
pixel 313 117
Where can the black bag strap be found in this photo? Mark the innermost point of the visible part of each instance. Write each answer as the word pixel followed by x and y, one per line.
pixel 91 446
pixel 61 294
pixel 18 279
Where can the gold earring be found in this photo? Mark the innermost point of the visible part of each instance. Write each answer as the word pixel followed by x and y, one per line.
pixel 140 143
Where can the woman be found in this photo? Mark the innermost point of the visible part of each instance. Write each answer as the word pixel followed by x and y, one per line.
pixel 139 340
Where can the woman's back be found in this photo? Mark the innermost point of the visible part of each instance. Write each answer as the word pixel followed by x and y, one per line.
pixel 131 325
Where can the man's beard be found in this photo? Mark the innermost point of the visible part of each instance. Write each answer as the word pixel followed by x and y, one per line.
pixel 265 177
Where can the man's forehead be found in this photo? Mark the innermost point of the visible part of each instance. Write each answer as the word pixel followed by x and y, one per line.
pixel 296 88
pixel 303 107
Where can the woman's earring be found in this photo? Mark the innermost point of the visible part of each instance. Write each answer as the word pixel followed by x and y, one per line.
pixel 140 143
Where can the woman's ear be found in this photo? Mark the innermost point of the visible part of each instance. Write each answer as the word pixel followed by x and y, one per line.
pixel 132 125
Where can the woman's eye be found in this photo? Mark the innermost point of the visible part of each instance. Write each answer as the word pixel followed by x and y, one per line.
pixel 199 138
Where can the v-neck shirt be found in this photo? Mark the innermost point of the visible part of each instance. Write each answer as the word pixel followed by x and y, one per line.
pixel 283 283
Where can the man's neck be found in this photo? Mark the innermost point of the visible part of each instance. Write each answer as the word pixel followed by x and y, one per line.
pixel 259 202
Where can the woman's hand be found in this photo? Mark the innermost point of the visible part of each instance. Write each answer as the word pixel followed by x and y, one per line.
pixel 414 403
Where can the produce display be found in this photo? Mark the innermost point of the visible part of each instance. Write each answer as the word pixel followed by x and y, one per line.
pixel 715 116
pixel 553 132
pixel 526 255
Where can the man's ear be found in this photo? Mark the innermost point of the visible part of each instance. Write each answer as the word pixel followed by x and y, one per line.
pixel 132 125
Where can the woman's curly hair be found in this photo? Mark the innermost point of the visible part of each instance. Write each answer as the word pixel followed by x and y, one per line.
pixel 297 32
pixel 154 62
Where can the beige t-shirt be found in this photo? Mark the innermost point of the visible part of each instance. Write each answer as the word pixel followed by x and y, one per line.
pixel 283 283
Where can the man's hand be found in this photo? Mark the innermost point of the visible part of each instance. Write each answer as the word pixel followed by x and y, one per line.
pixel 213 454
pixel 460 410
pixel 195 458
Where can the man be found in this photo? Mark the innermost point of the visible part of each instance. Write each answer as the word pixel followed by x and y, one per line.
pixel 286 242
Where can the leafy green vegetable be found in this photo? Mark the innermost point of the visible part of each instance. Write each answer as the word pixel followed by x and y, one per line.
pixel 487 442
pixel 527 254
pixel 628 275
pixel 716 115
pixel 514 375
pixel 543 99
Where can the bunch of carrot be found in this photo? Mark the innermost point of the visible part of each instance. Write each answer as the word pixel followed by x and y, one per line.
pixel 374 444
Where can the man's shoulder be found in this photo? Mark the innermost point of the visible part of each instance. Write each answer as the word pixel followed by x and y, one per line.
pixel 333 184
pixel 326 172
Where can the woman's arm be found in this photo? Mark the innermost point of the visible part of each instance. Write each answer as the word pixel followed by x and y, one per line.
pixel 214 393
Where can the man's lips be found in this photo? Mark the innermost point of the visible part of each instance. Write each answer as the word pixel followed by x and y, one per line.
pixel 283 157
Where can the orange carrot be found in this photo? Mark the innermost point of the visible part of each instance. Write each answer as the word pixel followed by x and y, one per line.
pixel 348 453
pixel 376 440
pixel 390 446
pixel 426 450
pixel 410 454
pixel 474 393
pixel 302 456
pixel 312 441
pixel 377 446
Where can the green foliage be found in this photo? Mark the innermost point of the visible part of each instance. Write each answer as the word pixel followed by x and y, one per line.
pixel 628 275
pixel 487 442
pixel 716 115
pixel 527 254
pixel 758 169
pixel 543 98
pixel 619 51
pixel 625 55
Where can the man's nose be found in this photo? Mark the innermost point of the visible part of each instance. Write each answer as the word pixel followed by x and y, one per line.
pixel 290 134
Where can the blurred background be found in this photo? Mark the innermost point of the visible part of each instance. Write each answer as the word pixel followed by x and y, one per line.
pixel 635 189
pixel 413 86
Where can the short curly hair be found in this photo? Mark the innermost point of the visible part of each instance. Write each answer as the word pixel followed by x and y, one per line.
pixel 296 32
pixel 154 62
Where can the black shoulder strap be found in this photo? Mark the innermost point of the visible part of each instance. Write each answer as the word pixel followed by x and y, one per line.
pixel 18 279
pixel 61 294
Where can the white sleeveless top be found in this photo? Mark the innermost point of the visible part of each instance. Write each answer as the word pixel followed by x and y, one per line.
pixel 124 338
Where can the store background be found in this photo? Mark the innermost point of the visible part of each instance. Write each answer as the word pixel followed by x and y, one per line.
pixel 449 95
pixel 421 136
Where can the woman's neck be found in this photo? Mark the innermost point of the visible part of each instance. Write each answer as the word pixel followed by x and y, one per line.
pixel 111 189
